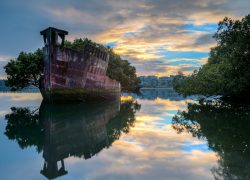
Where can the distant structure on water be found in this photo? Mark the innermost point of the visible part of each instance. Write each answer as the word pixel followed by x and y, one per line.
pixel 74 75
pixel 155 82
pixel 152 94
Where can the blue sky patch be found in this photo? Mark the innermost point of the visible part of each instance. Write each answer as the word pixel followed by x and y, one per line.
pixel 204 28
pixel 188 146
pixel 111 44
pixel 184 54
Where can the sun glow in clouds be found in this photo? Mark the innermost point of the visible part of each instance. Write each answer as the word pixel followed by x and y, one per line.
pixel 144 31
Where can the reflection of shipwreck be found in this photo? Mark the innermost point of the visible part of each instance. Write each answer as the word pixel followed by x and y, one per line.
pixel 74 133
pixel 74 75
pixel 65 130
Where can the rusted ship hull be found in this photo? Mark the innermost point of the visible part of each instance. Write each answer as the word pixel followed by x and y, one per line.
pixel 75 76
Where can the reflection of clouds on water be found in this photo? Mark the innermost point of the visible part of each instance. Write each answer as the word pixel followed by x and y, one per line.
pixel 152 150
pixel 161 106
pixel 21 96
pixel 9 99
pixel 141 160
pixel 26 162
pixel 158 112
pixel 18 100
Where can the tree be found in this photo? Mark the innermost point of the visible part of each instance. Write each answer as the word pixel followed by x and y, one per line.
pixel 225 127
pixel 25 70
pixel 227 71
pixel 24 127
pixel 178 80
pixel 122 71
pixel 123 121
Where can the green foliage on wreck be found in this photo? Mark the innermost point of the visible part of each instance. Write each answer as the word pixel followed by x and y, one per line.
pixel 118 69
pixel 27 68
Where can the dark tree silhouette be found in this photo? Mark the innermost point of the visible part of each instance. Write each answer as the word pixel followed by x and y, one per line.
pixel 226 128
pixel 24 126
pixel 25 70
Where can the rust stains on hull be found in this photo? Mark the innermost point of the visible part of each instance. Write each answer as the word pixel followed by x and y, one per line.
pixel 74 75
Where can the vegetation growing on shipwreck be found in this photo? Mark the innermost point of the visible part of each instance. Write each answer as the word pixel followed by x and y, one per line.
pixel 27 68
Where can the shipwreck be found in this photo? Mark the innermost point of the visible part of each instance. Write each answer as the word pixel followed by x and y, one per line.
pixel 74 75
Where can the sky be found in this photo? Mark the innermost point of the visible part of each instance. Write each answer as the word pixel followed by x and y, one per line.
pixel 158 37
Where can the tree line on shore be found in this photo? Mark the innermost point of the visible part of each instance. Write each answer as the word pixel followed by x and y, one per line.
pixel 227 71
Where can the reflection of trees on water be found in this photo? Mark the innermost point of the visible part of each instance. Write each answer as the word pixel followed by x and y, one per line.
pixel 23 125
pixel 227 130
pixel 63 130
pixel 123 121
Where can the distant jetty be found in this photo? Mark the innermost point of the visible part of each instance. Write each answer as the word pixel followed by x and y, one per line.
pixel 156 82
pixel 74 75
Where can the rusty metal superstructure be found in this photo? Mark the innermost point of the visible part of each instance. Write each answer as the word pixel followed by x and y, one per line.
pixel 74 75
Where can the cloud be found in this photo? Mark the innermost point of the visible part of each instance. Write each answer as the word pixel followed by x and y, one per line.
pixel 4 58
pixel 159 69
pixel 141 30
pixel 202 42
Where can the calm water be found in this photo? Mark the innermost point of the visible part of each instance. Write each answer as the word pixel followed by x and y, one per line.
pixel 157 135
